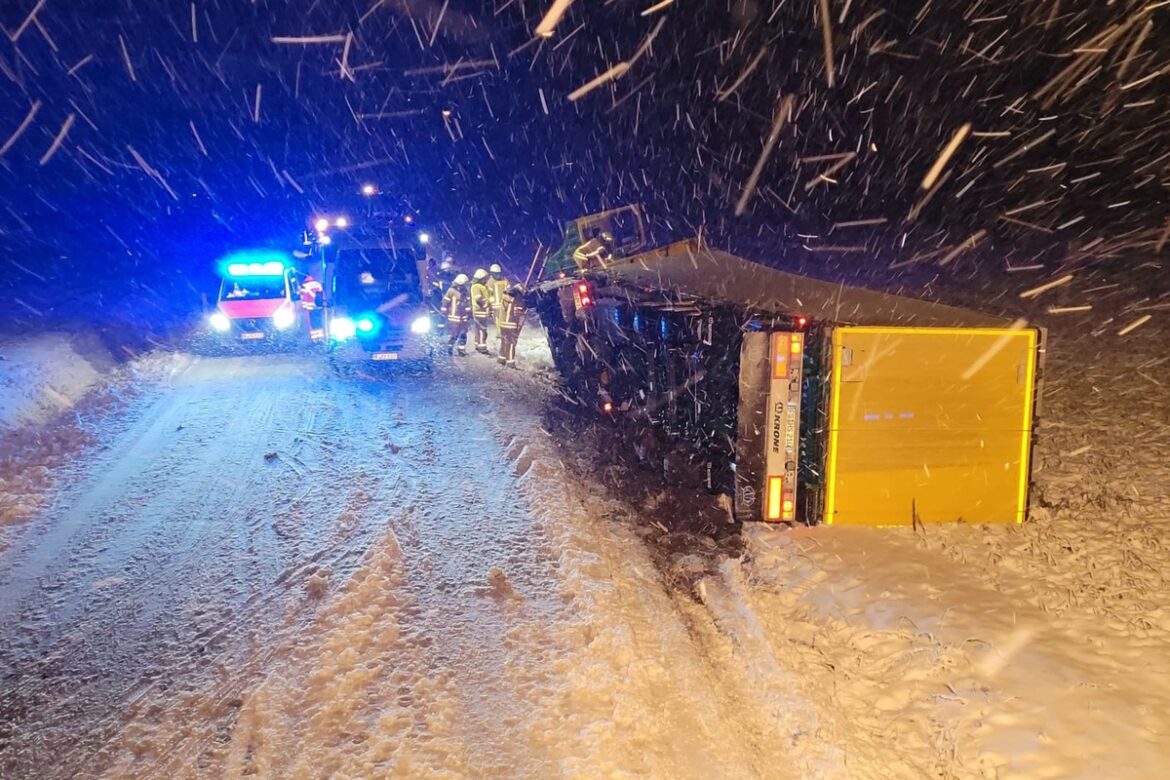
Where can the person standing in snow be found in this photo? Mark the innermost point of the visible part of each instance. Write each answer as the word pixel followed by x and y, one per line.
pixel 457 309
pixel 512 313
pixel 497 287
pixel 442 280
pixel 481 309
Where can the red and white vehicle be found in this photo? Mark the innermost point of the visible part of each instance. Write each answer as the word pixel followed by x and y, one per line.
pixel 258 301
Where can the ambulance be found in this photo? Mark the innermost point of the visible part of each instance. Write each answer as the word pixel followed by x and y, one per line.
pixel 258 302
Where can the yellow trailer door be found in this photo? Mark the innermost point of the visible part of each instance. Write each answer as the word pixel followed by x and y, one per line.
pixel 930 422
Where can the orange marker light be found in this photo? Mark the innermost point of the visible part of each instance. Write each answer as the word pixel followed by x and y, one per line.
pixel 775 492
pixel 779 356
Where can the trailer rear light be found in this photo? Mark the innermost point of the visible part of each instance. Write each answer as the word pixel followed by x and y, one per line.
pixel 607 407
pixel 583 288
pixel 779 356
pixel 801 322
pixel 795 346
pixel 788 507
pixel 775 498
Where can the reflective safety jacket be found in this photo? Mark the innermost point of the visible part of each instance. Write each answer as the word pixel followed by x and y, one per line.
pixel 496 290
pixel 480 300
pixel 592 254
pixel 456 304
pixel 512 312
pixel 310 289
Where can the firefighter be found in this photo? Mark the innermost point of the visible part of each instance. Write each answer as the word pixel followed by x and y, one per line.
pixel 481 309
pixel 512 311
pixel 497 286
pixel 442 280
pixel 597 252
pixel 457 308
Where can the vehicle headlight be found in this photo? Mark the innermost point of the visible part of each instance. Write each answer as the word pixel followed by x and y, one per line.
pixel 284 318
pixel 421 325
pixel 219 321
pixel 342 328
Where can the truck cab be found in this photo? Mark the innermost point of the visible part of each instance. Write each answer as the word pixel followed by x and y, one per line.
pixel 257 300
pixel 375 305
pixel 624 226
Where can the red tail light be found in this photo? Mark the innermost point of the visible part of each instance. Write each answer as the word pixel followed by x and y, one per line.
pixel 584 294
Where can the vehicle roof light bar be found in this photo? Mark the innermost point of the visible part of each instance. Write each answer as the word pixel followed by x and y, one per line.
pixel 271 268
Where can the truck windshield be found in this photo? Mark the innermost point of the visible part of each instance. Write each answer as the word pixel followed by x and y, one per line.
pixel 373 276
pixel 252 288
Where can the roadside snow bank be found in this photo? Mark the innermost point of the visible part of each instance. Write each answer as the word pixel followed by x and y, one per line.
pixel 60 394
pixel 46 374
pixel 925 666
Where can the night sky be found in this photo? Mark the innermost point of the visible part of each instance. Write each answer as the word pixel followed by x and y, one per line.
pixel 145 138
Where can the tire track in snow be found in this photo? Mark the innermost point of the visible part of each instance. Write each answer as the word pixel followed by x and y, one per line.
pixel 180 571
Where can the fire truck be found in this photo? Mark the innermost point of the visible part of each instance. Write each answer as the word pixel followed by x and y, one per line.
pixel 808 401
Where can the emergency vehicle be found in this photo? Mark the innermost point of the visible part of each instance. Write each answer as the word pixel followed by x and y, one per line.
pixel 258 300
pixel 375 305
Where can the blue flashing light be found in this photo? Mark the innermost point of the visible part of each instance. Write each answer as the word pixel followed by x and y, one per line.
pixel 254 262
pixel 365 325
pixel 255 269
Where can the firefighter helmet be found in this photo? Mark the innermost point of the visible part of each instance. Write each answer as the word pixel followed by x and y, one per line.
pixel 495 269
pixel 480 275
pixel 461 279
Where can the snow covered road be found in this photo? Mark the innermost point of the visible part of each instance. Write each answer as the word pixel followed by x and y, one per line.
pixel 274 570
pixel 267 569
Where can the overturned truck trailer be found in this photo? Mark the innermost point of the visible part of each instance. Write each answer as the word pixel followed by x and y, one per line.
pixel 807 400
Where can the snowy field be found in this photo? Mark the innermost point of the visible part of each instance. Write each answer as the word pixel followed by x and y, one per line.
pixel 254 567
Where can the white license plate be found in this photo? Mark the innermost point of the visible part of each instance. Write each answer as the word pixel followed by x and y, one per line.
pixel 385 356
pixel 251 336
